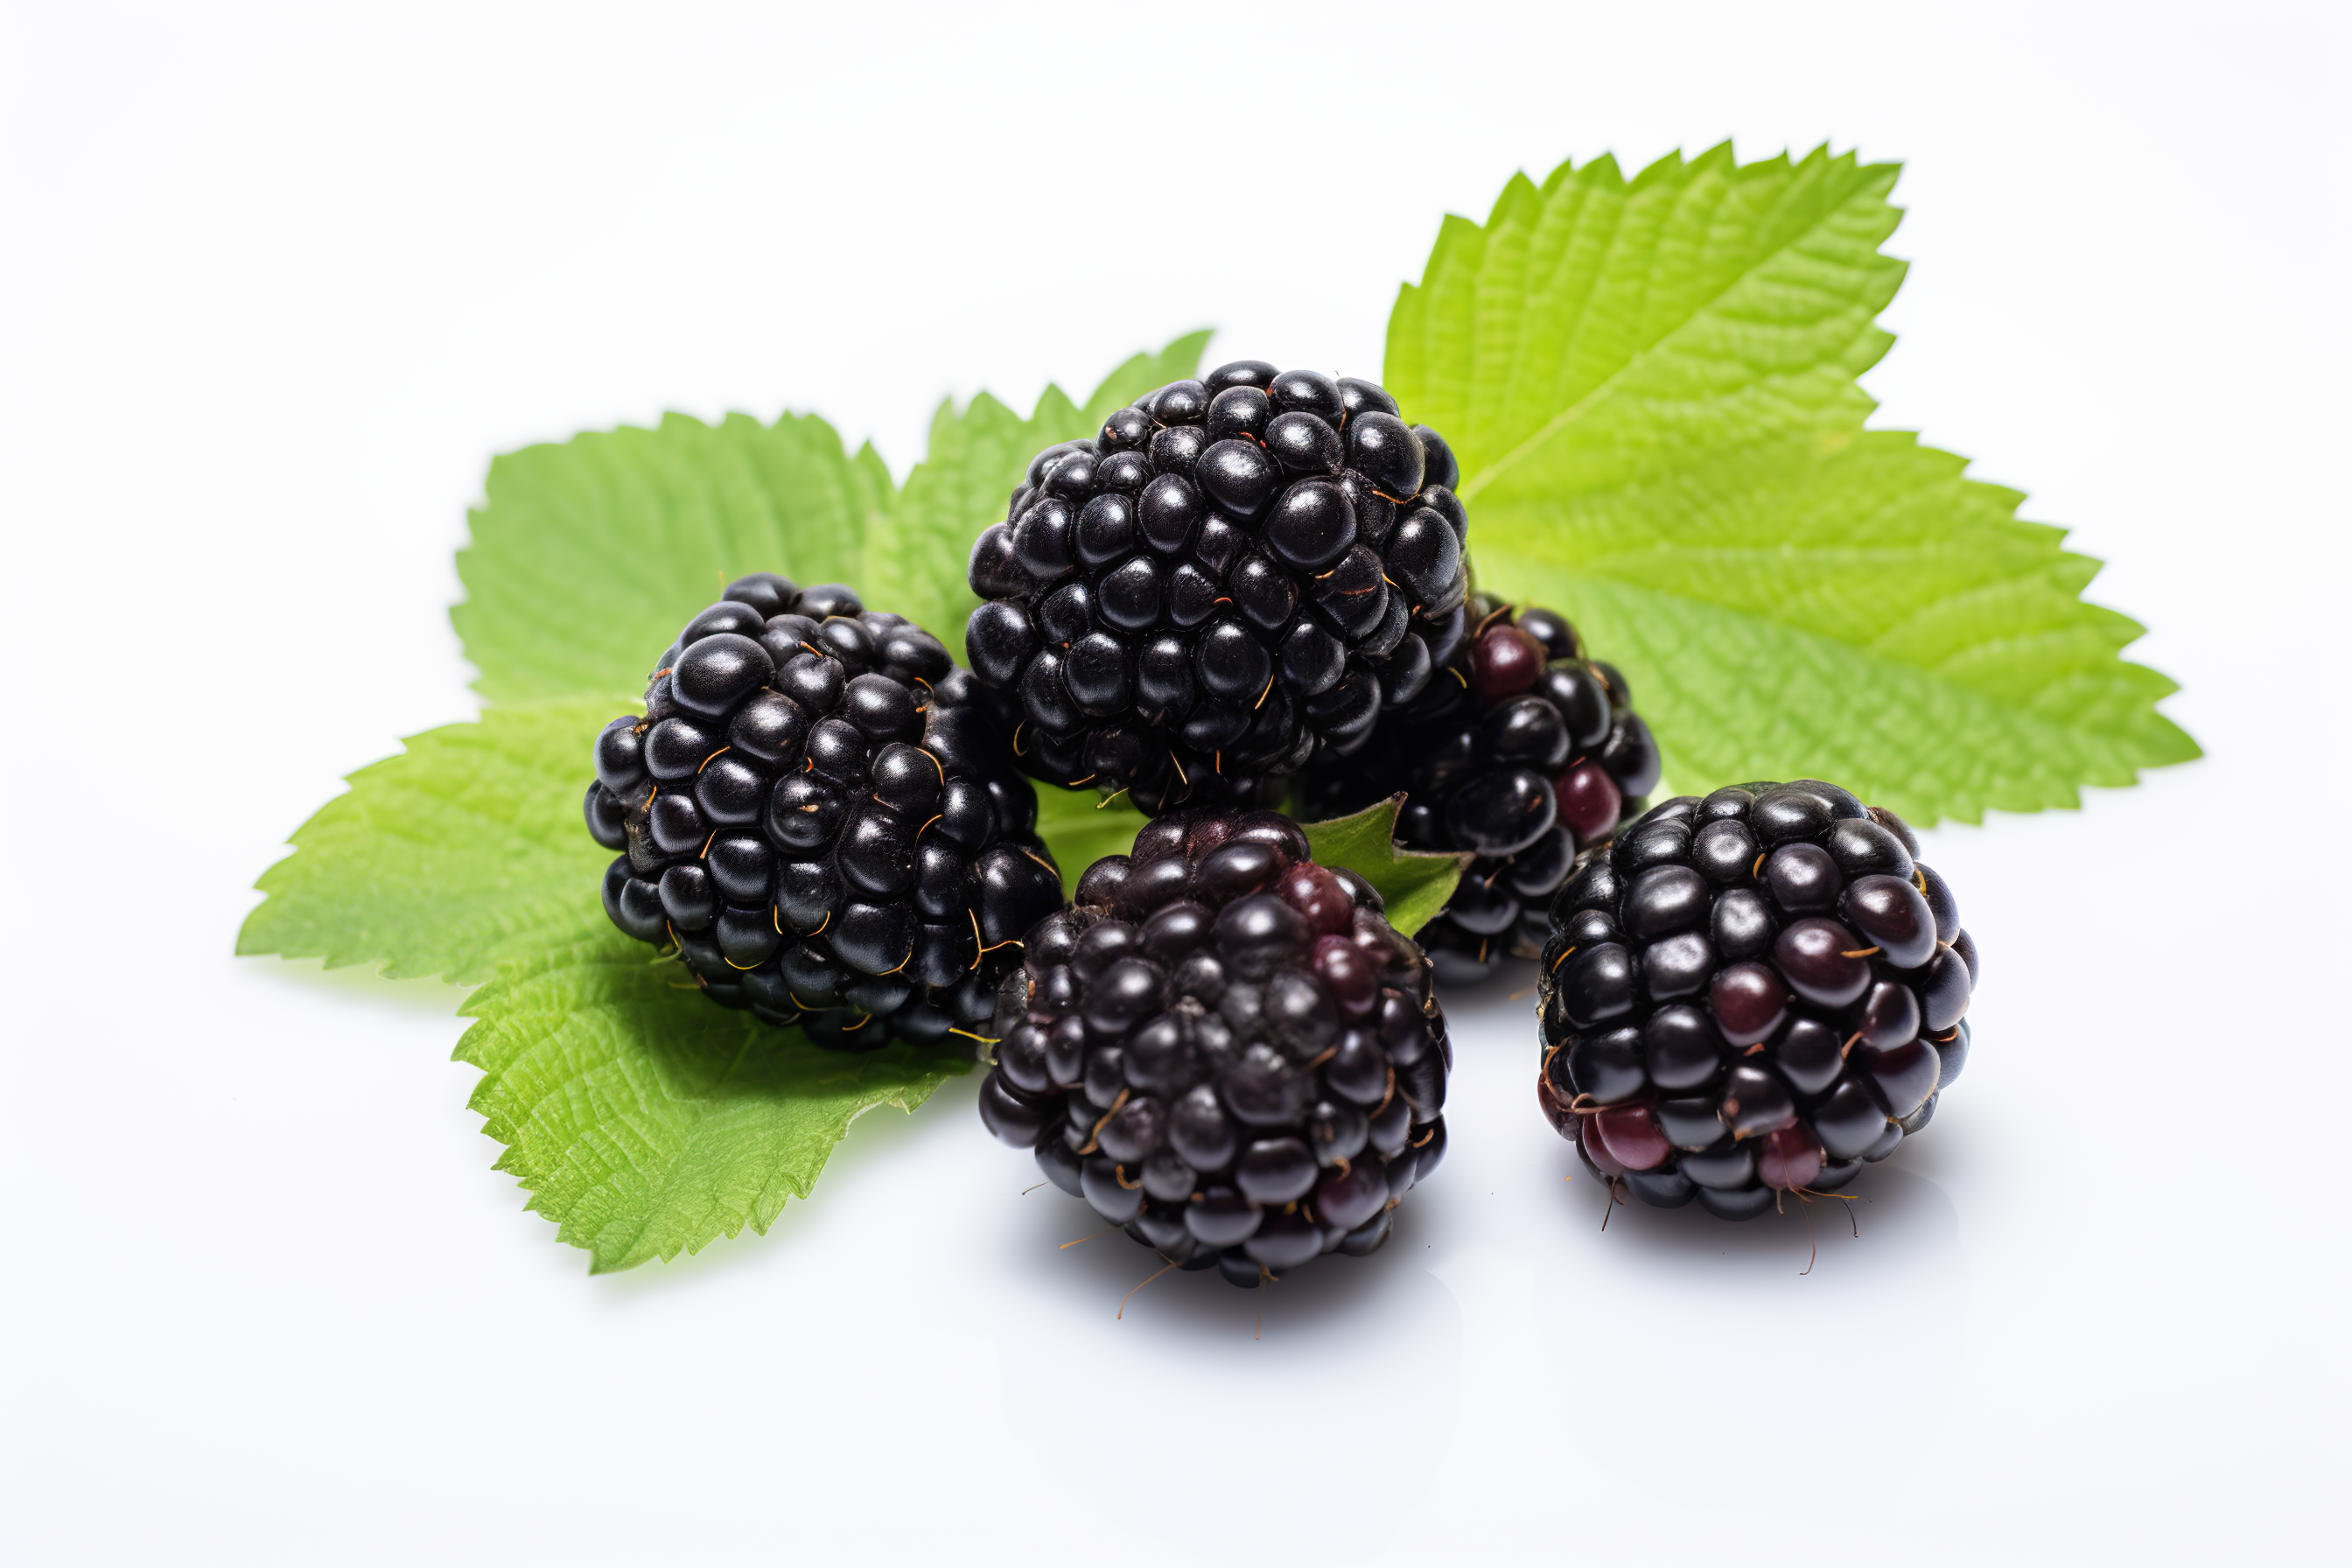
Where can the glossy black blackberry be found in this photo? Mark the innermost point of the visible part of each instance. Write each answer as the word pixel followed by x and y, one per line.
pixel 1751 993
pixel 1234 575
pixel 1225 1048
pixel 1522 750
pixel 818 815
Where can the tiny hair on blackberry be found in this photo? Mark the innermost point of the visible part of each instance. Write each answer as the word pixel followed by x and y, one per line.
pixel 1225 1048
pixel 1523 751
pixel 820 818
pixel 1749 995
pixel 1234 574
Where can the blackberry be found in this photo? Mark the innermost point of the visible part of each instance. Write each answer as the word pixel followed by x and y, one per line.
pixel 1522 750
pixel 1234 575
pixel 818 814
pixel 1751 993
pixel 1225 1048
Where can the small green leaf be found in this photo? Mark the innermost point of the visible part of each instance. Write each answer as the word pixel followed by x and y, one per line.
pixel 1413 884
pixel 590 554
pixel 644 1121
pixel 1081 828
pixel 977 457
pixel 1649 386
pixel 466 849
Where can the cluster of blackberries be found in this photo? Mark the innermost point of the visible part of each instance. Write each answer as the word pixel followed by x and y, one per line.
pixel 816 813
pixel 1521 751
pixel 1242 585
pixel 1235 575
pixel 1225 1048
pixel 1749 995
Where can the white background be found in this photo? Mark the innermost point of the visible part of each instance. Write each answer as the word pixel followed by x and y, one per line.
pixel 277 284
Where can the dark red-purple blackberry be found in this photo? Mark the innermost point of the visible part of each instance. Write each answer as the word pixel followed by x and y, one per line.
pixel 817 814
pixel 1225 1048
pixel 1522 750
pixel 1751 993
pixel 1234 575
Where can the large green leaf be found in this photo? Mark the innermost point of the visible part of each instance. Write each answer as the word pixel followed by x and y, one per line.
pixel 643 1119
pixel 1649 386
pixel 978 455
pixel 466 849
pixel 590 554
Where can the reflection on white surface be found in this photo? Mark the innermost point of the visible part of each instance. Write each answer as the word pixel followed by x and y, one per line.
pixel 1260 1414
pixel 1670 1342
pixel 1686 1339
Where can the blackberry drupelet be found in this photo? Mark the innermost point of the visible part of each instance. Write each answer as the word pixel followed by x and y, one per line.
pixel 1232 575
pixel 1225 1048
pixel 817 811
pixel 1751 993
pixel 1522 750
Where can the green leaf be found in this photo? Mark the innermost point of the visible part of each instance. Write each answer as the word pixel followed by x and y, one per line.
pixel 1852 608
pixel 977 457
pixel 645 1121
pixel 1081 828
pixel 1598 325
pixel 642 1119
pixel 1649 384
pixel 589 555
pixel 1413 884
pixel 466 849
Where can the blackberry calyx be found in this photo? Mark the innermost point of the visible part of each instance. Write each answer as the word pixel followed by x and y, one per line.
pixel 1225 1048
pixel 1750 993
pixel 817 814
pixel 1521 749
pixel 1234 574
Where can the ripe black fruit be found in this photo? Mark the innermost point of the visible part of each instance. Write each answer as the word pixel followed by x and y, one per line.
pixel 1721 1032
pixel 1521 751
pixel 1232 576
pixel 1225 1048
pixel 817 815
